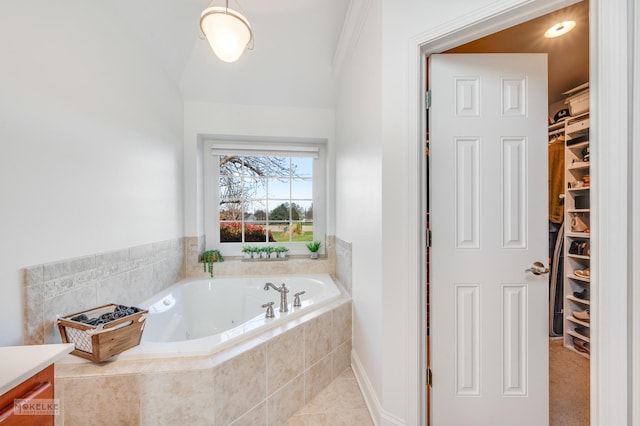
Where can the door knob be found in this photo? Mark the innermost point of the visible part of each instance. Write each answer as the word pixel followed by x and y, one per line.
pixel 538 268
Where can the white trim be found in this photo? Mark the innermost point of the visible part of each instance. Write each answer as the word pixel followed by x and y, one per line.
pixel 366 388
pixel 609 69
pixel 305 147
pixel 484 21
pixel 378 414
pixel 286 150
pixel 351 29
pixel 609 403
pixel 635 222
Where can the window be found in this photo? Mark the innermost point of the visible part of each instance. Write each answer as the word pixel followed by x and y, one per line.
pixel 264 193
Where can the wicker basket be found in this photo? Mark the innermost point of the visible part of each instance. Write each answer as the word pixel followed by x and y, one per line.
pixel 99 343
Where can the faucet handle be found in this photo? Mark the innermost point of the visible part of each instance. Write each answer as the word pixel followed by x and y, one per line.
pixel 296 300
pixel 269 313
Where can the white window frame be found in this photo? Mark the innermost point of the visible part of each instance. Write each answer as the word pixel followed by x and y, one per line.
pixel 287 148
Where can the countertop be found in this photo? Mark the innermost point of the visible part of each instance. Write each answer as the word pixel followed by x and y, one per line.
pixel 18 363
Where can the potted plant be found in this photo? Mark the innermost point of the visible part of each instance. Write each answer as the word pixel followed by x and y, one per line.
pixel 282 252
pixel 262 252
pixel 271 252
pixel 255 252
pixel 247 251
pixel 209 257
pixel 313 247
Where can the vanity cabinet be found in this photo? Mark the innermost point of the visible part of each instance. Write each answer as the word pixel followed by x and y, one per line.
pixel 37 387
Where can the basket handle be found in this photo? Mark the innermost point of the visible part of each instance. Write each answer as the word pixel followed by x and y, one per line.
pixel 100 328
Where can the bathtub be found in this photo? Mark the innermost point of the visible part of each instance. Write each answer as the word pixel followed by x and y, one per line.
pixel 195 317
pixel 209 354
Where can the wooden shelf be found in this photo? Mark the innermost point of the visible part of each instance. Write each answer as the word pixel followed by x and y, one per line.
pixel 578 234
pixel 578 335
pixel 578 256
pixel 577 278
pixel 582 188
pixel 581 301
pixel 577 321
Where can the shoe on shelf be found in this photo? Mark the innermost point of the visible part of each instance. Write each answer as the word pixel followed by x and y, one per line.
pixel 584 294
pixel 581 346
pixel 582 315
pixel 581 330
pixel 584 273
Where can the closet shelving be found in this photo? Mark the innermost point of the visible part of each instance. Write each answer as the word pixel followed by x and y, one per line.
pixel 577 254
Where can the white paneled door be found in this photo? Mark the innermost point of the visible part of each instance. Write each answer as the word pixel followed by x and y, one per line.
pixel 488 198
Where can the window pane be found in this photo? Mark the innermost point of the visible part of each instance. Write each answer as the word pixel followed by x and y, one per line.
pixel 307 231
pixel 230 232
pixel 256 188
pixel 279 166
pixel 302 167
pixel 230 210
pixel 306 209
pixel 232 165
pixel 279 188
pixel 256 233
pixel 302 189
pixel 281 212
pixel 255 211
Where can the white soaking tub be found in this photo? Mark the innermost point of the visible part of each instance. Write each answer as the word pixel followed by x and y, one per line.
pixel 195 317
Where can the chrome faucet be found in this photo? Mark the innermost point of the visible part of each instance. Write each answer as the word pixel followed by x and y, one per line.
pixel 284 306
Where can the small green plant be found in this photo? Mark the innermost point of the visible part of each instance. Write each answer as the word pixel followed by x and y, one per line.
pixel 209 257
pixel 247 249
pixel 314 246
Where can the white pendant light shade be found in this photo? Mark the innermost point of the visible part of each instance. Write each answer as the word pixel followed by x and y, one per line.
pixel 227 31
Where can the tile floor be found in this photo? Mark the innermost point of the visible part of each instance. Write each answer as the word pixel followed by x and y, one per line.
pixel 339 404
pixel 342 404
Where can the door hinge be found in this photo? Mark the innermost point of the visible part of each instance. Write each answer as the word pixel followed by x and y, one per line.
pixel 427 99
pixel 429 378
pixel 428 238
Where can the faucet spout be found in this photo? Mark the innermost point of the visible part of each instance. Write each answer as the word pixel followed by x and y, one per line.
pixel 267 285
pixel 284 306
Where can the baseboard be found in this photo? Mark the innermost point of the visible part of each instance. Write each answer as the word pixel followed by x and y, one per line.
pixel 379 416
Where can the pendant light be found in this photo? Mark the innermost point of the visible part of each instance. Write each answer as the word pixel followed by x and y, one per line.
pixel 227 31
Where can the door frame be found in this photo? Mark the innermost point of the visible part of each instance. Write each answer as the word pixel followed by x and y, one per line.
pixel 612 243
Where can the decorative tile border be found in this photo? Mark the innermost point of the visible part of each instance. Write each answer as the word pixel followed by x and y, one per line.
pixel 126 276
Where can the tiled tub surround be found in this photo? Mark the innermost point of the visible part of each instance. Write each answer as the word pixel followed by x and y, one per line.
pixel 343 263
pixel 126 276
pixel 261 381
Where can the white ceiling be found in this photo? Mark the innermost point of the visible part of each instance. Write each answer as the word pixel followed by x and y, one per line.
pixel 295 42
pixel 291 64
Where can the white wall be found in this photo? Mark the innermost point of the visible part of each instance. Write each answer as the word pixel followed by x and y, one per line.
pixel 202 119
pixel 374 139
pixel 358 192
pixel 91 142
